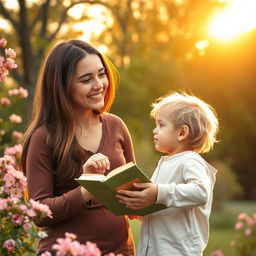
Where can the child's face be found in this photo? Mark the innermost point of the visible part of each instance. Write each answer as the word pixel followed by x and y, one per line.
pixel 166 137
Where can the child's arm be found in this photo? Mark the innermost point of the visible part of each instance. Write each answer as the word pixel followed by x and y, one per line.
pixel 141 198
pixel 194 191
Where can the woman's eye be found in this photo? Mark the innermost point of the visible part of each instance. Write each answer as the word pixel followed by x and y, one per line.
pixel 102 74
pixel 86 81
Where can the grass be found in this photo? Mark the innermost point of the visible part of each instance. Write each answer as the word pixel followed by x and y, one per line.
pixel 221 225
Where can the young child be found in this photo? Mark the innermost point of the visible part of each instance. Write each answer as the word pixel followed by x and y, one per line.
pixel 183 180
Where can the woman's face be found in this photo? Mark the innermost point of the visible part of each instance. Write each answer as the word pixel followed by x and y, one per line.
pixel 89 84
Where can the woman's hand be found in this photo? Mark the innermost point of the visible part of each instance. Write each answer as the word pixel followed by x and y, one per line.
pixel 97 163
pixel 143 197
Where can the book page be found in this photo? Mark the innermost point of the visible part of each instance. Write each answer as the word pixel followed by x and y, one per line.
pixel 99 177
pixel 128 185
pixel 120 169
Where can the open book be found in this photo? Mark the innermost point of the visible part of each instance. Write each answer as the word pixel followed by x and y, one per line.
pixel 104 188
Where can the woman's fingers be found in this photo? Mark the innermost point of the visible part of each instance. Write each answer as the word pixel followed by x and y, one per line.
pixel 97 163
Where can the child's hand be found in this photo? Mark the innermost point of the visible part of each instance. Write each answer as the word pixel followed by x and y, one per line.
pixel 145 196
pixel 97 163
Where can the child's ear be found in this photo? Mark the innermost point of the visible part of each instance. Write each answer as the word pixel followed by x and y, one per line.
pixel 184 132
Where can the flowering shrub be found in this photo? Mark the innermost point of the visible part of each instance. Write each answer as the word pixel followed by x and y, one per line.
pixel 17 232
pixel 245 242
pixel 8 121
pixel 7 62
pixel 68 246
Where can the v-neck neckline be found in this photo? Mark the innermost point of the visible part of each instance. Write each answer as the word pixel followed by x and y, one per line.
pixel 102 141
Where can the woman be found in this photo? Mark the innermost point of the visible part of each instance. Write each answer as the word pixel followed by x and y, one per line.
pixel 76 87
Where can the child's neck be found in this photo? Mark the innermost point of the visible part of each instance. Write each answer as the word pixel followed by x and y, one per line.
pixel 180 150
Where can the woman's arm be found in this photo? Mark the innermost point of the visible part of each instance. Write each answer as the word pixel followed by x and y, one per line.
pixel 41 183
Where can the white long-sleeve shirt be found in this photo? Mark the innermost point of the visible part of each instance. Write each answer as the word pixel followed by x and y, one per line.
pixel 185 185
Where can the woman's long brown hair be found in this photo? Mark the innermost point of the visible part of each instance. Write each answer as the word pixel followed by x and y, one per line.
pixel 52 106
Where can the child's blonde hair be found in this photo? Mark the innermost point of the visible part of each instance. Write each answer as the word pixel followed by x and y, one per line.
pixel 189 110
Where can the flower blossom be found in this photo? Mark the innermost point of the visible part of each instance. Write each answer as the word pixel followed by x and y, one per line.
pixel 3 203
pixel 248 232
pixel 217 253
pixel 10 52
pixel 9 179
pixel 17 134
pixel 46 254
pixel 15 150
pixel 9 244
pixel 239 225
pixel 43 208
pixel 10 63
pixel 42 234
pixel 242 216
pixel 21 91
pixel 27 226
pixel 17 219
pixel 5 101
pixel 15 118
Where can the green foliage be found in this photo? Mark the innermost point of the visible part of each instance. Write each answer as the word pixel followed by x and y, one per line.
pixel 150 42
pixel 226 187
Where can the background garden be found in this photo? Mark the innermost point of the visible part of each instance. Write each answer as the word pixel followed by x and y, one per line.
pixel 206 47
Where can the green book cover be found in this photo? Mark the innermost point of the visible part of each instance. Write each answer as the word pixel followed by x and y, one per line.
pixel 104 188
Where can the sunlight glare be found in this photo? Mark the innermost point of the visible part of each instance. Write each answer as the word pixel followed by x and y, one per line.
pixel 98 20
pixel 237 19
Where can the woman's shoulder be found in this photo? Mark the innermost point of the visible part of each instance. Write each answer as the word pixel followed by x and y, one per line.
pixel 112 119
pixel 40 133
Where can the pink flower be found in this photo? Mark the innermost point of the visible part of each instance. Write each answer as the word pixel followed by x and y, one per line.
pixel 3 42
pixel 7 160
pixel 250 222
pixel 15 118
pixel 217 253
pixel 10 52
pixel 92 249
pixel 10 64
pixel 242 216
pixel 248 232
pixel 31 213
pixel 17 134
pixel 63 246
pixel 43 208
pixel 9 244
pixel 239 225
pixel 23 92
pixel 9 179
pixel 13 92
pixel 46 254
pixel 3 204
pixel 27 226
pixel 16 219
pixel 16 192
pixel 5 101
pixel 70 235
pixel 15 150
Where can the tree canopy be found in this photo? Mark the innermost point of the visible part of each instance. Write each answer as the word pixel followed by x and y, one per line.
pixel 153 44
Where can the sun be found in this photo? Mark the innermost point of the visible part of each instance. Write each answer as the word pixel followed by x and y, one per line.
pixel 237 19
